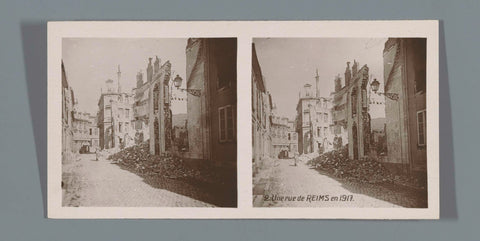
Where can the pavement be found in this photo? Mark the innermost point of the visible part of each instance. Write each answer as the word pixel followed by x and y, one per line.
pixel 287 185
pixel 92 183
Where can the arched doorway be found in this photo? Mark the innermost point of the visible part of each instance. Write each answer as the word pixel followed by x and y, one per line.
pixel 156 133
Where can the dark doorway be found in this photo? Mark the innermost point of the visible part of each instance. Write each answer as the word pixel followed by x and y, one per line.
pixel 156 125
pixel 306 143
pixel 355 142
pixel 156 131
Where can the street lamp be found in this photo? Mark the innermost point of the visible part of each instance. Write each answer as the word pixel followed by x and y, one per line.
pixel 375 85
pixel 177 82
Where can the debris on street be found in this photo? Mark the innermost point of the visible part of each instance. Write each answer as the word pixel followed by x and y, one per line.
pixel 138 159
pixel 366 170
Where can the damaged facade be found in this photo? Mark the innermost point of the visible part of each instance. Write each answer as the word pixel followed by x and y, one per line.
pixel 405 75
pixel 159 112
pixel 350 110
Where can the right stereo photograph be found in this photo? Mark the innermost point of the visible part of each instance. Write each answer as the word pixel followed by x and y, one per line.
pixel 339 122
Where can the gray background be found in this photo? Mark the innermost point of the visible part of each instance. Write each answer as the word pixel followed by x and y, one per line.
pixel 23 121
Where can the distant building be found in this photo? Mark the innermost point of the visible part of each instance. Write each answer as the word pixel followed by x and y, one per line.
pixel 350 110
pixel 313 121
pixel 405 75
pixel 339 115
pixel 378 140
pixel 68 101
pixel 140 108
pixel 115 116
pixel 85 132
pixel 292 138
pixel 212 100
pixel 180 137
pixel 280 132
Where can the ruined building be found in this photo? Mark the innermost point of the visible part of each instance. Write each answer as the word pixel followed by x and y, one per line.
pixel 350 110
pixel 158 105
pixel 142 102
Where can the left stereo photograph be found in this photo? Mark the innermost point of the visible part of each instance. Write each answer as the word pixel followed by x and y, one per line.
pixel 147 122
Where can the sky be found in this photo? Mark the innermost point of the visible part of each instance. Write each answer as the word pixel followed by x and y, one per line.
pixel 89 62
pixel 289 63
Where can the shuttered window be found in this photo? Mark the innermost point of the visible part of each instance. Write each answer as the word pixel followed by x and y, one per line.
pixel 421 122
pixel 226 118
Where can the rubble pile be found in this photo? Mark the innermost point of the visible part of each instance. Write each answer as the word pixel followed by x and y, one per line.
pixel 139 160
pixel 366 170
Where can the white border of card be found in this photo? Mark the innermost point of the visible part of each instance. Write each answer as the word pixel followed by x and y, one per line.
pixel 244 31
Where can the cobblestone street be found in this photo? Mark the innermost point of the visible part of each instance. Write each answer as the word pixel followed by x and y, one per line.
pixel 285 180
pixel 99 183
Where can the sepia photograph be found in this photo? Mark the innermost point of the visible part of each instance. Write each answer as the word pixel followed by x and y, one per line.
pixel 243 119
pixel 339 122
pixel 149 122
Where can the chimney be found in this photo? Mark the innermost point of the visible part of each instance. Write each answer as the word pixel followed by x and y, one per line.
pixel 119 74
pixel 317 82
pixel 149 70
pixel 348 74
pixel 156 65
pixel 338 83
pixel 354 68
pixel 139 79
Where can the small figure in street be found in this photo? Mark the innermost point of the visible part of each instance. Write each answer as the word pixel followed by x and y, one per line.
pixel 295 158
pixel 97 153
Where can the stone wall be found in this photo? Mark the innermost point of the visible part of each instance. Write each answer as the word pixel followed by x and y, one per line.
pixel 196 106
pixel 402 58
